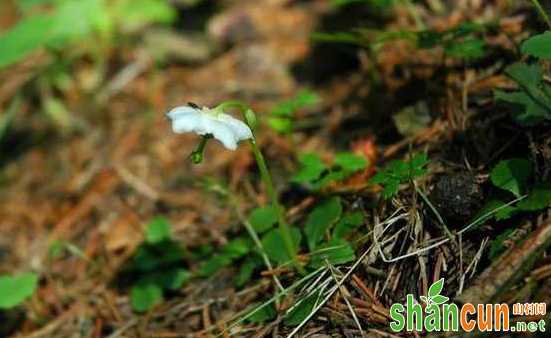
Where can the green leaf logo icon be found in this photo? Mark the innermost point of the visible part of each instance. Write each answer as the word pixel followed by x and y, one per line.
pixel 434 294
pixel 436 288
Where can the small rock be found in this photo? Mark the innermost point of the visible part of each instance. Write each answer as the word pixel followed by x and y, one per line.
pixel 457 196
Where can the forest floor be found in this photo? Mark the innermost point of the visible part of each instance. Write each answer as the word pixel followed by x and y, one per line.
pixel 98 196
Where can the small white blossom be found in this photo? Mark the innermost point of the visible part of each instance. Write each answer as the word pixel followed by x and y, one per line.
pixel 223 127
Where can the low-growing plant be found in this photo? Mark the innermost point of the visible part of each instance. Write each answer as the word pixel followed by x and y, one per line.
pixel 317 174
pixel 398 172
pixel 281 116
pixel 156 267
pixel 15 289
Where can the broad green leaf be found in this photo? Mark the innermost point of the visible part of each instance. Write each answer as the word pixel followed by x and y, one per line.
pixel 538 199
pixel 15 289
pixel 26 36
pixel 312 168
pixel 263 218
pixel 538 46
pixel 492 209
pixel 350 162
pixel 511 175
pixel 419 161
pixel 213 265
pixel 391 188
pixel 321 219
pixel 152 257
pixel 145 297
pixel 246 271
pixel 77 19
pixel 400 168
pixel 237 248
pixel 288 108
pixel 527 76
pixel 337 251
pixel 172 279
pixel 274 244
pixel 468 49
pixel 436 288
pixel 306 98
pixel 267 312
pixel 302 310
pixel 135 13
pixel 157 230
pixel 346 223
pixel 282 125
pixel 525 110
pixel 439 299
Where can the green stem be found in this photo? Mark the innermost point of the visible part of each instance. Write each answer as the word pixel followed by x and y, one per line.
pixel 267 180
pixel 284 228
pixel 542 12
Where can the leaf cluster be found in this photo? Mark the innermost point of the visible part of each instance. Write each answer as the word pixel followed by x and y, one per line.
pixel 398 172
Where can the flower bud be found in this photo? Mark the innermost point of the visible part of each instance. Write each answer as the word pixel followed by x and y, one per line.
pixel 251 119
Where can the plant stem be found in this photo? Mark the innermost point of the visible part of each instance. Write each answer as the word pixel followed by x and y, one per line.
pixel 267 180
pixel 284 228
pixel 542 12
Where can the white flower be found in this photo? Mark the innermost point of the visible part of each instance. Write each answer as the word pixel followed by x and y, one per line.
pixel 223 127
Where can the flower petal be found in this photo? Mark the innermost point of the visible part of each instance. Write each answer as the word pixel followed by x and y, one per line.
pixel 223 133
pixel 241 130
pixel 179 112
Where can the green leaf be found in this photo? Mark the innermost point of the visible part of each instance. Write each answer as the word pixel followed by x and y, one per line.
pixel 538 199
pixel 321 219
pixel 267 312
pixel 492 209
pixel 538 46
pixel 282 125
pixel 145 297
pixel 511 175
pixel 15 289
pixel 77 19
pixel 312 168
pixel 346 223
pixel 274 245
pixel 436 288
pixel 213 265
pixel 524 109
pixel 350 163
pixel 302 310
pixel 157 230
pixel 399 168
pixel 263 218
pixel 135 13
pixel 423 298
pixel 232 251
pixel 246 271
pixel 468 49
pixel 337 251
pixel 173 279
pixel 391 188
pixel 439 299
pixel 306 98
pixel 25 37
pixel 152 257
pixel 237 248
pixel 528 76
